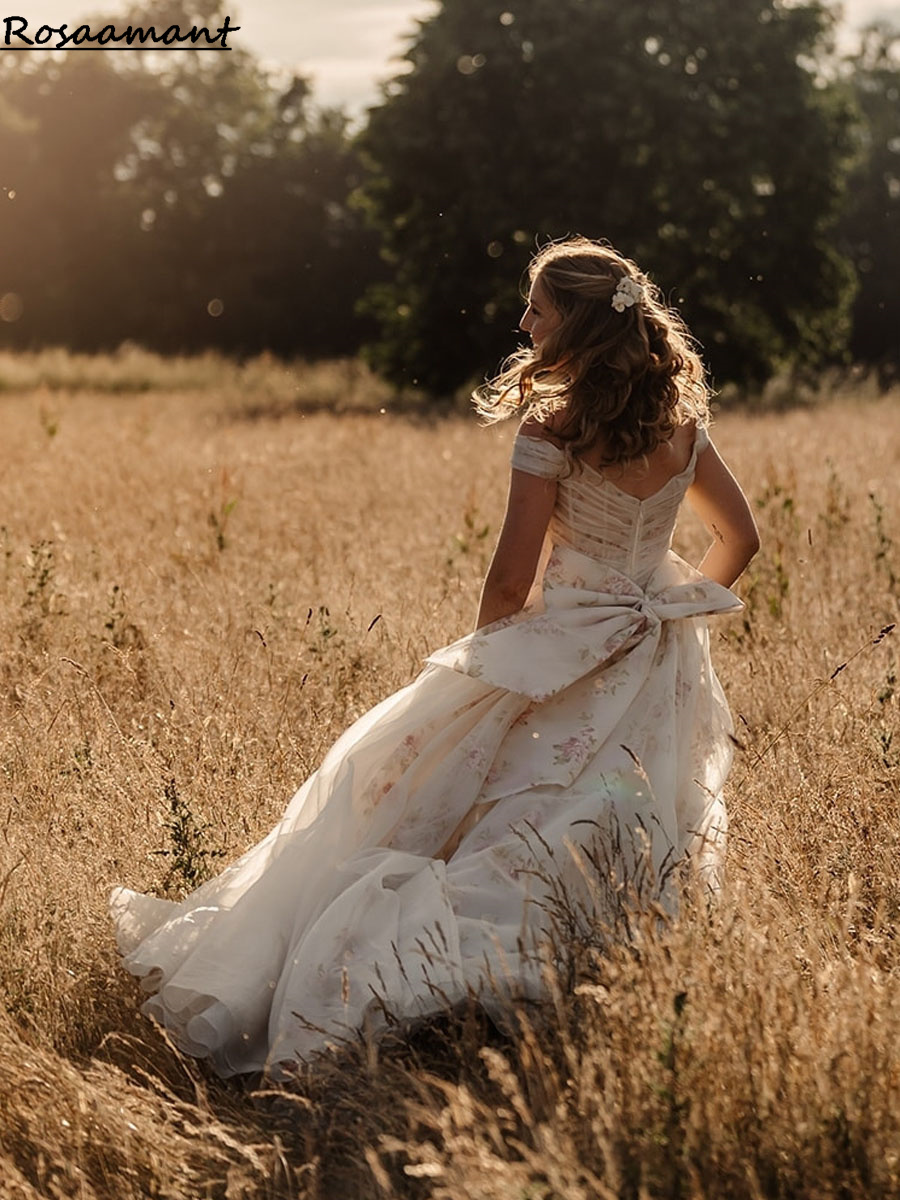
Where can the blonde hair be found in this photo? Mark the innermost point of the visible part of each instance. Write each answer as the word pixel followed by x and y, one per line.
pixel 623 379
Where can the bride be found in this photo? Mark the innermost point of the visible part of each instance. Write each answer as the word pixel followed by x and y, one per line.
pixel 581 726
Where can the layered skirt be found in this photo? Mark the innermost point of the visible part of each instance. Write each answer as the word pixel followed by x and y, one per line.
pixel 577 748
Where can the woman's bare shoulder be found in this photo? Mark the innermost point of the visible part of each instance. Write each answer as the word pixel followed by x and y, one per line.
pixel 686 434
pixel 545 431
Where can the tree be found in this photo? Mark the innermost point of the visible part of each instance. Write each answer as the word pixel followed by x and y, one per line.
pixel 178 201
pixel 245 201
pixel 699 138
pixel 870 228
pixel 63 125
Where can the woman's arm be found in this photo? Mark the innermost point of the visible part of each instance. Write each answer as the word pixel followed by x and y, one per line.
pixel 515 561
pixel 718 501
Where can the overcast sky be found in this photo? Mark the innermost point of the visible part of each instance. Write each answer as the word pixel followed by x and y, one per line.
pixel 345 46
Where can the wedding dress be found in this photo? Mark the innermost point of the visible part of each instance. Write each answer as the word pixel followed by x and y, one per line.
pixel 414 867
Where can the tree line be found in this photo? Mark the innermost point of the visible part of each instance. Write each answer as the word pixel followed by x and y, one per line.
pixel 194 201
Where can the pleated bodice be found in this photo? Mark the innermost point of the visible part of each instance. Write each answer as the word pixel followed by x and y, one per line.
pixel 596 518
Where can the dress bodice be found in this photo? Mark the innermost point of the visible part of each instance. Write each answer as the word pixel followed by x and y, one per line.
pixel 595 517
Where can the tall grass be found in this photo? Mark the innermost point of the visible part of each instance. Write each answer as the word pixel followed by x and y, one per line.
pixel 199 594
pixel 259 386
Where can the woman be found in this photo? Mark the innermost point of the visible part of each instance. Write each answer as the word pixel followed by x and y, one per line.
pixel 580 725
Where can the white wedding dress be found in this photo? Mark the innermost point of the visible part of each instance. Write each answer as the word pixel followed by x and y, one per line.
pixel 415 866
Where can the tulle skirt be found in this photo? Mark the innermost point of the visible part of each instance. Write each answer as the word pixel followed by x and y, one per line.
pixel 580 745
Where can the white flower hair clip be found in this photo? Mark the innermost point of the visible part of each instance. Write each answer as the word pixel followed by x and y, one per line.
pixel 627 293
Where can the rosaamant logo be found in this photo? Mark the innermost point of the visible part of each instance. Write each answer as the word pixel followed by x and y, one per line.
pixel 19 35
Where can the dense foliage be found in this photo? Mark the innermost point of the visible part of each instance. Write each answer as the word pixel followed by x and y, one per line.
pixel 698 137
pixel 870 227
pixel 196 201
pixel 180 202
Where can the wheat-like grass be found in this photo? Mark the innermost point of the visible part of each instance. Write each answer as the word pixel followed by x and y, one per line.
pixel 200 591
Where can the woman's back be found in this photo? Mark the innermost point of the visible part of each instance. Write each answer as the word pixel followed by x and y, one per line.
pixel 622 516
pixel 644 476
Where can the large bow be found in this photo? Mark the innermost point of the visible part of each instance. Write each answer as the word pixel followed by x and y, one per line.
pixel 586 622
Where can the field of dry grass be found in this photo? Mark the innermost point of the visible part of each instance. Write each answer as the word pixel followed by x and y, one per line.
pixel 200 590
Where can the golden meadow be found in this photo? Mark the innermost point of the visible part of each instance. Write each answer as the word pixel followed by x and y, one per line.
pixel 206 575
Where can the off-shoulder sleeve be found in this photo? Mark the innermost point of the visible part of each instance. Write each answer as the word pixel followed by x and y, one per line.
pixel 537 456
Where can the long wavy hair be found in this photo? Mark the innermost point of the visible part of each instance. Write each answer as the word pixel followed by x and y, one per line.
pixel 620 380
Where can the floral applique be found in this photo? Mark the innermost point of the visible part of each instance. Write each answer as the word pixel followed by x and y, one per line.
pixel 476 759
pixel 498 769
pixel 545 627
pixel 683 690
pixel 621 585
pixel 577 748
pixel 391 773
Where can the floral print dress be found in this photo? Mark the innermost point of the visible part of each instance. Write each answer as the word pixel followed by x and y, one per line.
pixel 414 867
